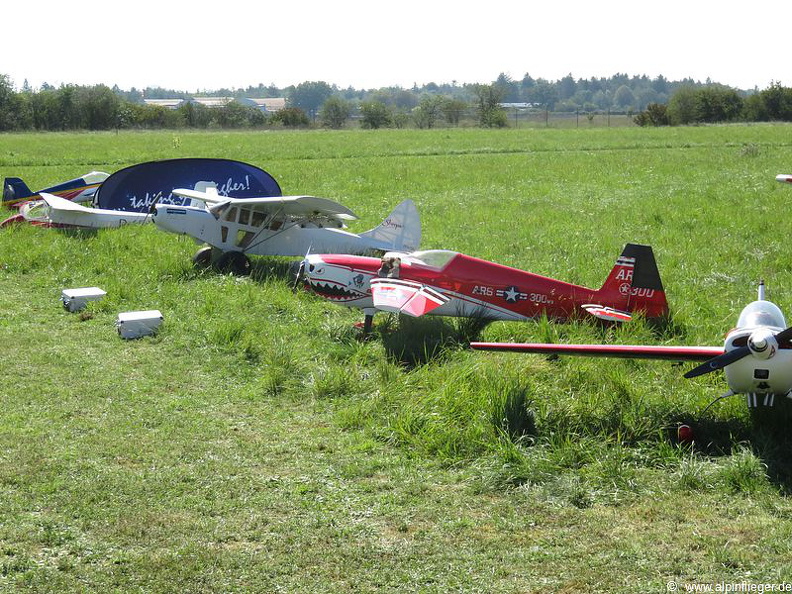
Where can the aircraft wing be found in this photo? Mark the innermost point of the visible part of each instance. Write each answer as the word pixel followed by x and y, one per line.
pixel 58 203
pixel 294 206
pixel 66 213
pixel 783 178
pixel 403 296
pixel 670 353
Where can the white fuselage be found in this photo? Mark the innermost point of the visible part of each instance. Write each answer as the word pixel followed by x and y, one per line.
pixel 767 372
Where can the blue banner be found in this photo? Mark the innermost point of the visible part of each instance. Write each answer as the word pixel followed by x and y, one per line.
pixel 136 188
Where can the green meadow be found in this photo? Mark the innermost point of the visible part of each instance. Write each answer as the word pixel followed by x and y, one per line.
pixel 255 444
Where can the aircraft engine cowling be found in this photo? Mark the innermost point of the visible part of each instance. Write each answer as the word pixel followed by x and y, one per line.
pixel 763 344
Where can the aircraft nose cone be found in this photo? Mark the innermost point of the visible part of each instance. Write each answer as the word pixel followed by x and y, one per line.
pixel 762 344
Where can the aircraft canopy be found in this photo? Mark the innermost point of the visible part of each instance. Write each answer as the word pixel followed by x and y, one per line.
pixel 761 313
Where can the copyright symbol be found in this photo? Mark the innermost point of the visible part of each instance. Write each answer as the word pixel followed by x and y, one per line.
pixel 672 586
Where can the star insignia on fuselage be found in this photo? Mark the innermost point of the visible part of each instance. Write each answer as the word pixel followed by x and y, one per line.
pixel 511 294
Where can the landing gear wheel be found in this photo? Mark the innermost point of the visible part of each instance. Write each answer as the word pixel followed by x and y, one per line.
pixel 234 262
pixel 203 257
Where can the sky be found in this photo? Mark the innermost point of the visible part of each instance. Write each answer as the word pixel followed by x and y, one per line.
pixel 197 46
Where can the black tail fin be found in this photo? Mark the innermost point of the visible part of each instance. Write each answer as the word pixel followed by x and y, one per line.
pixel 634 283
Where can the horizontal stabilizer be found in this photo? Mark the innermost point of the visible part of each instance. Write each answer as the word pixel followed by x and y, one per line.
pixel 402 296
pixel 209 196
pixel 606 313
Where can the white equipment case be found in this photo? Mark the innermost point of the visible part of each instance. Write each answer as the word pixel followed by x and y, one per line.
pixel 77 299
pixel 134 324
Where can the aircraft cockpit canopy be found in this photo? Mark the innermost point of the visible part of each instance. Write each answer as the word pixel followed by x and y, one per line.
pixel 761 313
pixel 435 258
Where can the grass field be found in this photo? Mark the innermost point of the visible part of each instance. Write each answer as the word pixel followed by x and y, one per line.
pixel 254 445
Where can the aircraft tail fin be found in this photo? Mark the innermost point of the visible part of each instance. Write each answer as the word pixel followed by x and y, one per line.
pixel 15 191
pixel 634 283
pixel 400 231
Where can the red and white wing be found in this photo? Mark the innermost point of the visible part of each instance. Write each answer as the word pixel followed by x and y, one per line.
pixel 403 296
pixel 784 178
pixel 670 353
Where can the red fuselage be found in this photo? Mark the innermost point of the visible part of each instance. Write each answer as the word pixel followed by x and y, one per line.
pixel 477 287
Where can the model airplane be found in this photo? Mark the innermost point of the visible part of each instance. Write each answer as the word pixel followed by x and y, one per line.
pixel 17 195
pixel 783 178
pixel 54 211
pixel 79 189
pixel 446 283
pixel 756 356
pixel 280 226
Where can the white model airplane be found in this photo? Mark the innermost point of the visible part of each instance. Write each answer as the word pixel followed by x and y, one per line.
pixel 54 211
pixel 756 356
pixel 279 226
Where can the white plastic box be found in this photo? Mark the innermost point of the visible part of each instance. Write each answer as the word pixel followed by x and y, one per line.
pixel 77 299
pixel 134 324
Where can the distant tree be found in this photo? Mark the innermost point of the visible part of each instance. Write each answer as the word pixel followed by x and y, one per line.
pixel 400 119
pixel 195 115
pixel 487 100
pixel 526 84
pixel 716 103
pixel 309 96
pixel 777 102
pixel 291 117
pixel 656 114
pixel 7 116
pixel 510 90
pixel 754 109
pixel 452 110
pixel 374 114
pixel 660 85
pixel 69 108
pixel 396 97
pixel 566 87
pixel 682 106
pixel 100 107
pixel 543 93
pixel 429 110
pixel 235 115
pixel 334 112
pixel 404 99
pixel 624 98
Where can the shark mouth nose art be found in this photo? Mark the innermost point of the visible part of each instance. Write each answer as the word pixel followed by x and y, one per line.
pixel 334 291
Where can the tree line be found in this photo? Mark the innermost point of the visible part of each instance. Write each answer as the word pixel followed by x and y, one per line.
pixel 717 103
pixel 655 101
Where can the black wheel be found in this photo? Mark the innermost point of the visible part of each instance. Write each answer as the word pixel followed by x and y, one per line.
pixel 203 257
pixel 234 262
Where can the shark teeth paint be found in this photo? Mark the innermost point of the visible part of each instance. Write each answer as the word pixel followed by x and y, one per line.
pixel 334 291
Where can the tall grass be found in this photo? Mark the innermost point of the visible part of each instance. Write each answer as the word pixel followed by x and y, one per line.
pixel 256 429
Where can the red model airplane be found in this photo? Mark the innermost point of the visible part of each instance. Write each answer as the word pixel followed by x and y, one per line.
pixel 446 283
